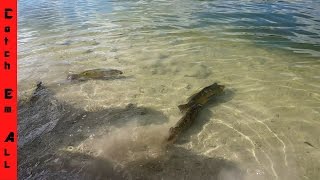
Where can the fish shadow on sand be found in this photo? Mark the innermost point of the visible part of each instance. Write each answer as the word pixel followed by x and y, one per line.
pixel 205 115
pixel 45 125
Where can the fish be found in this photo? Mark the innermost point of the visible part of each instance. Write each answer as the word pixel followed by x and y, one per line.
pixel 102 74
pixel 184 122
pixel 202 97
pixel 306 142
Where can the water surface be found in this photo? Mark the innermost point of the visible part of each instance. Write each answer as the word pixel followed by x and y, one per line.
pixel 266 53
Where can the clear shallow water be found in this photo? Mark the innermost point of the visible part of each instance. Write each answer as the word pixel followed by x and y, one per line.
pixel 265 52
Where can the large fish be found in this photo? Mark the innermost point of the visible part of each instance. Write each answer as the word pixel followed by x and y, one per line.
pixel 103 74
pixel 202 97
pixel 184 122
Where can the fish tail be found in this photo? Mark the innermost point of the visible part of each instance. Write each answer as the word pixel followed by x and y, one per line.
pixel 171 138
pixel 183 107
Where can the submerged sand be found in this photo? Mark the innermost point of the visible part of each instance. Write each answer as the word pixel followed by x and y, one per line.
pixel 265 126
pixel 260 125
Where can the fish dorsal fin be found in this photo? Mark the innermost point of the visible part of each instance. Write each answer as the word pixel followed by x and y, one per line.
pixel 199 90
pixel 192 96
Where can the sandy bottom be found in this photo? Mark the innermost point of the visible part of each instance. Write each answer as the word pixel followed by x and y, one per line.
pixel 265 126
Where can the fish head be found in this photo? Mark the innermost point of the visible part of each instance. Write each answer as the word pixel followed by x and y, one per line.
pixel 172 133
pixel 221 87
pixel 216 89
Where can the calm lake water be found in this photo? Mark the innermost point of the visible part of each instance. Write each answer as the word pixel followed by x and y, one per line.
pixel 266 125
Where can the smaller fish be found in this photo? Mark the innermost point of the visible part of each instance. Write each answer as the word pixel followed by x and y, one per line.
pixel 184 122
pixel 306 142
pixel 203 96
pixel 102 74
